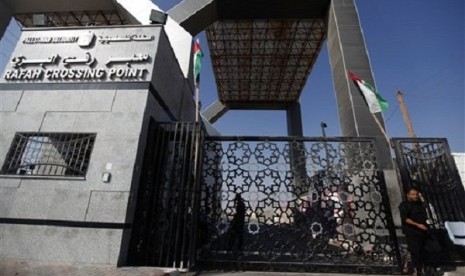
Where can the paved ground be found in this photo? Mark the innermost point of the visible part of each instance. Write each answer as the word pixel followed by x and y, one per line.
pixel 459 271
pixel 275 274
pixel 16 268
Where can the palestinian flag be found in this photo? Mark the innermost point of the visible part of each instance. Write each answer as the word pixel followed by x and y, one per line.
pixel 374 100
pixel 198 55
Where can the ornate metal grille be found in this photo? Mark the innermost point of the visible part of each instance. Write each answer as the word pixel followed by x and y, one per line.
pixel 49 154
pixel 427 165
pixel 311 204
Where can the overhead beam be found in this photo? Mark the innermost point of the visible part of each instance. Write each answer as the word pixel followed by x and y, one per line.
pixel 215 111
pixel 196 15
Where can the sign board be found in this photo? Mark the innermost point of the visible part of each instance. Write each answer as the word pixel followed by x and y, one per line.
pixel 67 55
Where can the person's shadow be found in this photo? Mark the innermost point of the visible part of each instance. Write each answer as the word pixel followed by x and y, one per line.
pixel 236 230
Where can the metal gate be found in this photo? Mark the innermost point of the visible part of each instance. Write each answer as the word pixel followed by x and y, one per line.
pixel 165 221
pixel 427 165
pixel 261 203
pixel 295 204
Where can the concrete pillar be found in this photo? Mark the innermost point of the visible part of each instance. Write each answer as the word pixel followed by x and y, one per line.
pixel 297 156
pixel 347 51
pixel 294 119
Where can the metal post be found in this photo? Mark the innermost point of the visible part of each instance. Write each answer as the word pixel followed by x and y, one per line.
pixel 197 103
pixel 323 126
pixel 405 114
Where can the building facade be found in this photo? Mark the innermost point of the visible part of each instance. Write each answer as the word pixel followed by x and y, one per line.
pixel 459 159
pixel 76 106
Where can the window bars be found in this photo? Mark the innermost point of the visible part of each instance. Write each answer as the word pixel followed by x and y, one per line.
pixel 49 154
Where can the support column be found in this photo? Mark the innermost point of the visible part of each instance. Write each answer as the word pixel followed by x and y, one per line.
pixel 296 150
pixel 294 119
pixel 347 52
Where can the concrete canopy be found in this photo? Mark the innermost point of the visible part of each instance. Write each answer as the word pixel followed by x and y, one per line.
pixel 262 51
pixel 196 15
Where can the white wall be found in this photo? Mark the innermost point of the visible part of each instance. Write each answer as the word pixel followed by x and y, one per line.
pixel 460 162
pixel 8 43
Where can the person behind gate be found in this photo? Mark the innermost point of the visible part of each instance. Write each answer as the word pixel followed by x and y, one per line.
pixel 236 235
pixel 414 226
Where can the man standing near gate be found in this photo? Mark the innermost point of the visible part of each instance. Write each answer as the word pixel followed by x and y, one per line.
pixel 236 235
pixel 414 226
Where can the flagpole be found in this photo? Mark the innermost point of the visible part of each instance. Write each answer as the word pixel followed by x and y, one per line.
pixel 197 125
pixel 197 103
pixel 381 128
pixel 405 116
pixel 198 55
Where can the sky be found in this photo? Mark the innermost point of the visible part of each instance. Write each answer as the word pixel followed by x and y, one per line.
pixel 415 46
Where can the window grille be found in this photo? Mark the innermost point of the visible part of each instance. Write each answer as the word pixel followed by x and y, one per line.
pixel 49 154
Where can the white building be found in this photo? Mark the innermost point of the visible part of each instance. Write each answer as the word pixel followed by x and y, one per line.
pixel 460 162
pixel 8 43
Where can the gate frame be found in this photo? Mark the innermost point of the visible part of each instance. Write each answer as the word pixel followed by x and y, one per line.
pixel 435 199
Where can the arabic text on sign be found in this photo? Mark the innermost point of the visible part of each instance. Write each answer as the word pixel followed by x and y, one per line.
pixel 108 39
pixel 23 61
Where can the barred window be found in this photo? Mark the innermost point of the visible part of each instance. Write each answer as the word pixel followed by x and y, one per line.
pixel 49 154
